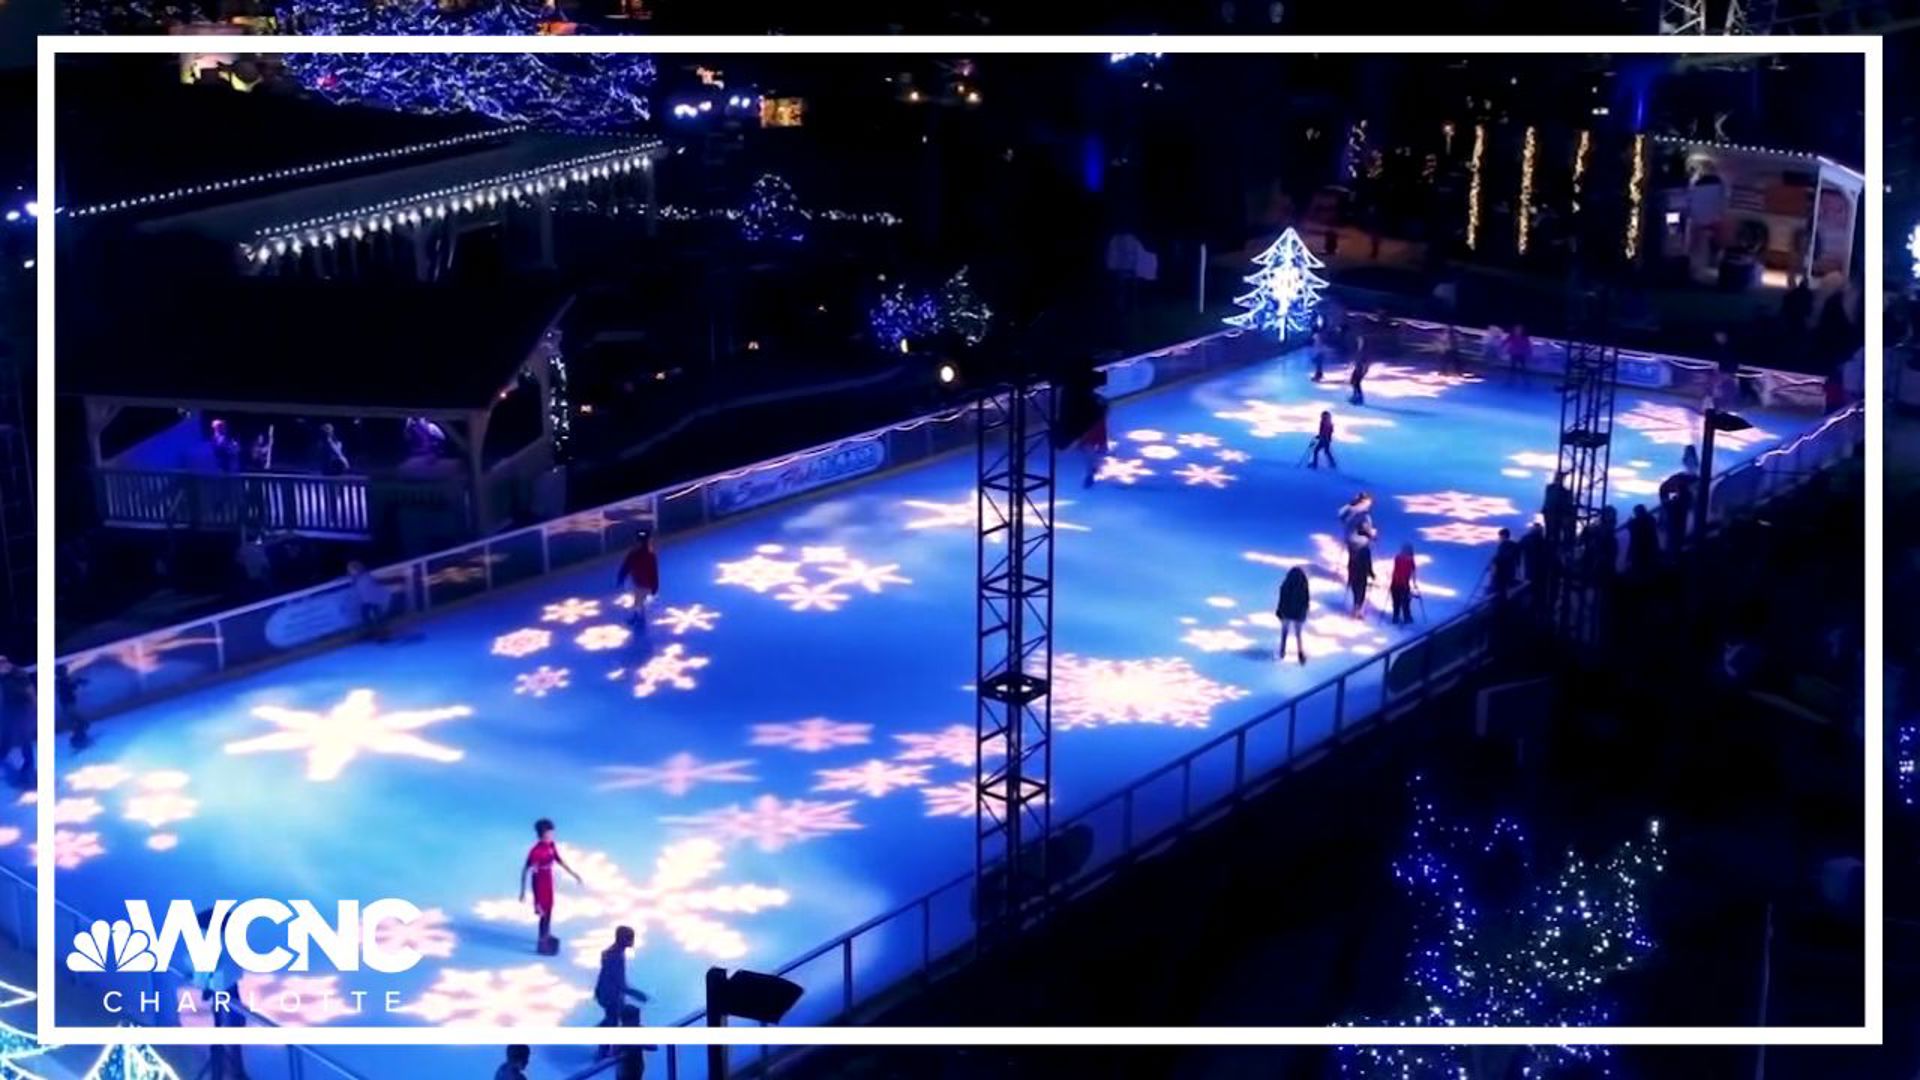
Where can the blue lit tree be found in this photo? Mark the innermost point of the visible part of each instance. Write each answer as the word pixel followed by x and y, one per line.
pixel 578 92
pixel 904 315
pixel 1906 763
pixel 1285 288
pixel 962 312
pixel 772 213
pixel 1539 961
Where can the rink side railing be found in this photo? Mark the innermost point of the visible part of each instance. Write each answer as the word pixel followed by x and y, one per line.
pixel 1209 781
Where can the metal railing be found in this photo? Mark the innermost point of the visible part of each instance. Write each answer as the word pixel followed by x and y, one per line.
pixel 341 507
pixel 1156 809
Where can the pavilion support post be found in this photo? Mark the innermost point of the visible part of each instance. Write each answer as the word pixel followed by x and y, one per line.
pixel 1813 229
pixel 480 516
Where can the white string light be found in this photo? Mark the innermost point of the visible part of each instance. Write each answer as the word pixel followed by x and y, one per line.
pixel 1526 193
pixel 1799 155
pixel 291 171
pixel 1580 166
pixel 1473 189
pixel 1636 194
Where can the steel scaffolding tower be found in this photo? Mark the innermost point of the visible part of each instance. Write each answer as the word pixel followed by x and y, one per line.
pixel 1586 451
pixel 1013 768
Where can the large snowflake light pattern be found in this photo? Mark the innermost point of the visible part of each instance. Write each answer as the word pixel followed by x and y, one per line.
pixel 769 822
pixel 760 573
pixel 872 778
pixel 429 935
pixel 1128 471
pixel 965 515
pixel 1198 441
pixel 1459 532
pixel 571 610
pixel 356 725
pixel 668 668
pixel 158 809
pixel 76 811
pixel 1089 693
pixel 1676 425
pixel 1398 381
pixel 676 900
pixel 528 996
pixel 1213 476
pixel 70 848
pixel 675 776
pixel 953 800
pixel 540 681
pixel 98 777
pixel 693 617
pixel 1233 457
pixel 521 642
pixel 1264 420
pixel 812 735
pixel 956 745
pixel 800 597
pixel 1460 505
pixel 1213 641
pixel 857 573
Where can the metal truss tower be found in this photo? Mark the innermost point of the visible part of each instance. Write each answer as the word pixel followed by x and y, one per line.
pixel 1013 722
pixel 1683 17
pixel 1586 452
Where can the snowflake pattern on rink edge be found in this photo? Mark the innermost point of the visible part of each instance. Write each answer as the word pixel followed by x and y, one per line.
pixel 952 800
pixel 1677 425
pixel 812 735
pixel 1163 691
pixel 956 745
pixel 70 848
pixel 873 779
pixel 769 822
pixel 1460 532
pixel 675 776
pixel 1264 420
pixel 1459 504
pixel 678 900
pixel 1127 471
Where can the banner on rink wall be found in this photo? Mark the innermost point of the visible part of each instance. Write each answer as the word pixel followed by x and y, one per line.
pixel 763 486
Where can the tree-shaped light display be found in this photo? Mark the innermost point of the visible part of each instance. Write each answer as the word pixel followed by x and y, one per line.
pixel 572 92
pixel 1913 249
pixel 1285 288
pixel 903 314
pixel 1539 960
pixel 772 213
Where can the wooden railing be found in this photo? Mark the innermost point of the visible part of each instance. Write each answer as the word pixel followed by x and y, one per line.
pixel 344 507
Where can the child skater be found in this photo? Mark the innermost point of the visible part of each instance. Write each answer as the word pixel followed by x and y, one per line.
pixel 1400 586
pixel 540 862
pixel 1093 444
pixel 1323 442
pixel 642 568
pixel 1295 598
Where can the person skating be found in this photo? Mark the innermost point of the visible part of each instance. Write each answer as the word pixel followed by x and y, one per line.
pixel 1319 351
pixel 1323 442
pixel 1362 363
pixel 1356 519
pixel 610 990
pixel 1400 586
pixel 1093 445
pixel 66 704
pixel 539 864
pixel 1519 350
pixel 1359 575
pixel 1295 599
pixel 641 568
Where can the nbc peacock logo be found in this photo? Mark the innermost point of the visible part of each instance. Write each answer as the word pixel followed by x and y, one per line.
pixel 115 947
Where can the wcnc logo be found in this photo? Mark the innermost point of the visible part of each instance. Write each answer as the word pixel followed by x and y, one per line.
pixel 350 941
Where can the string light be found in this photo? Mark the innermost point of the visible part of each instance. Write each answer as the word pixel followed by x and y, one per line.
pixel 904 315
pixel 1473 187
pixel 1525 222
pixel 1636 193
pixel 1906 749
pixel 1356 147
pixel 1913 249
pixel 1540 962
pixel 239 182
pixel 772 213
pixel 1580 166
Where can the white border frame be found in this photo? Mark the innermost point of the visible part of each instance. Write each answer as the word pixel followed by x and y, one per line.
pixel 1871 1033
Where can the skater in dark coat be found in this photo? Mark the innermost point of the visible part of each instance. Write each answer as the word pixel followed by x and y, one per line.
pixel 1676 505
pixel 1506 565
pixel 1360 575
pixel 1295 598
pixel 1323 442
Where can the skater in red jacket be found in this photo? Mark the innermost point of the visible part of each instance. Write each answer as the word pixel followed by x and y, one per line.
pixel 541 859
pixel 641 568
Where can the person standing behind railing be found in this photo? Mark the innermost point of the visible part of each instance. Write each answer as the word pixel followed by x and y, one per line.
pixel 370 598
pixel 610 990
pixel 515 1067
pixel 17 717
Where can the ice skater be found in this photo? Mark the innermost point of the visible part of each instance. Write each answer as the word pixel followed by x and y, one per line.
pixel 641 568
pixel 17 727
pixel 610 990
pixel 1362 363
pixel 1506 566
pixel 1323 442
pixel 1400 586
pixel 1360 575
pixel 1093 444
pixel 1356 519
pixel 1319 351
pixel 541 859
pixel 1519 350
pixel 1295 598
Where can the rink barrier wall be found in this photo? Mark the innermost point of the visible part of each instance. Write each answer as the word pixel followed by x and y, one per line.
pixel 1210 781
pixel 147 667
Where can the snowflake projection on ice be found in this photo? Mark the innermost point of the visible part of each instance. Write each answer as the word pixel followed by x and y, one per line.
pixel 1147 435
pixel 1459 532
pixel 1284 562
pixel 522 642
pixel 1264 420
pixel 1233 457
pixel 1159 452
pixel 679 621
pixel 823 553
pixel 1459 504
pixel 163 841
pixel 9 836
pixel 1676 425
pixel 675 776
pixel 1213 476
pixel 290 1000
pixel 1091 693
pixel 76 811
pixel 571 610
pixel 333 738
pixel 70 848
pixel 603 637
pixel 955 745
pixel 952 800
pixel 872 778
pixel 1127 471
pixel 28 798
pixel 679 900
pixel 812 735
pixel 769 822
pixel 528 996
pixel 965 515
pixel 1198 441
pixel 429 935
pixel 819 597
pixel 98 777
pixel 669 667
pixel 158 809
pixel 540 681
pixel 1213 641
pixel 1222 602
pixel 1398 381
pixel 163 780
pixel 760 573
pixel 1625 479
pixel 855 572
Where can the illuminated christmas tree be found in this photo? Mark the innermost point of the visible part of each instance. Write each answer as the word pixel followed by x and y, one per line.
pixel 1285 288
pixel 772 213
pixel 571 92
pixel 904 315
pixel 1539 961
